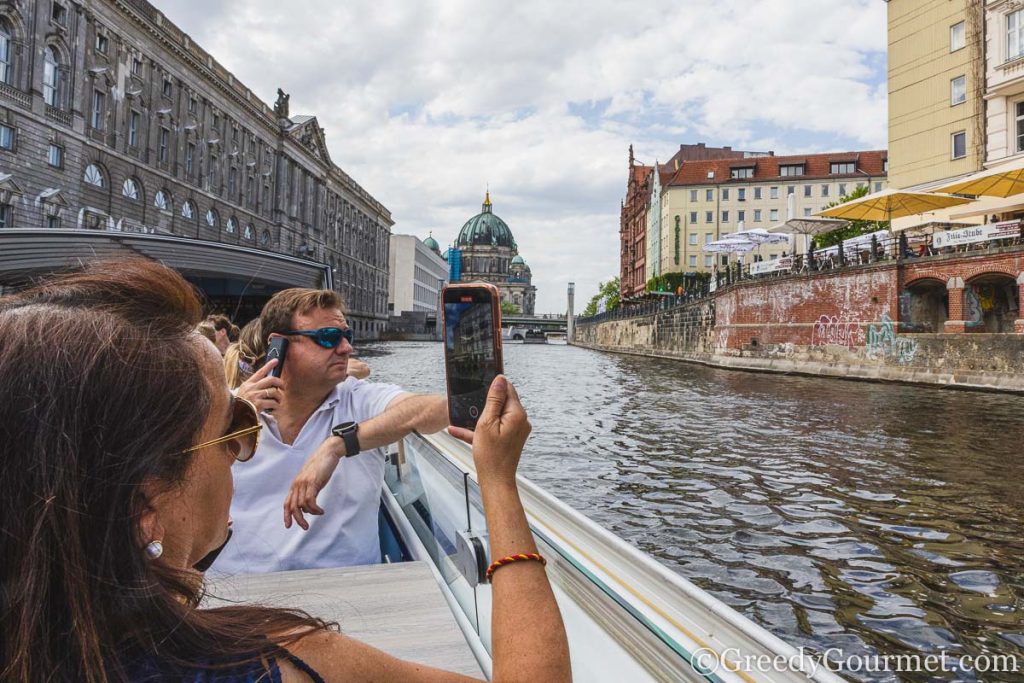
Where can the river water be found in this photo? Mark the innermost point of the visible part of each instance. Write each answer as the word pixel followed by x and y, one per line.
pixel 871 518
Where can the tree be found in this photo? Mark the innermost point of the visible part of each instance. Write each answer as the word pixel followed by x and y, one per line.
pixel 827 239
pixel 606 291
pixel 509 308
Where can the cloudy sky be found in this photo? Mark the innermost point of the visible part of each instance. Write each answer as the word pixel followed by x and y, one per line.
pixel 425 103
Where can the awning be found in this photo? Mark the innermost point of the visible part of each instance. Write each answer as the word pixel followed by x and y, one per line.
pixel 26 253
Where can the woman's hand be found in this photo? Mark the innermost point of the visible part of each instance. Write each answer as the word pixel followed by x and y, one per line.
pixel 262 390
pixel 500 434
pixel 310 480
pixel 357 368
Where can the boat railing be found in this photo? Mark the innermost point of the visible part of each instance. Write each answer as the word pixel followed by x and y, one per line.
pixel 628 616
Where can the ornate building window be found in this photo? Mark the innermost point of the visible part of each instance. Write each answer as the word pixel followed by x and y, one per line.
pixel 231 226
pixel 6 41
pixel 212 219
pixel 51 76
pixel 265 238
pixel 248 234
pixel 130 189
pixel 162 201
pixel 188 209
pixel 94 176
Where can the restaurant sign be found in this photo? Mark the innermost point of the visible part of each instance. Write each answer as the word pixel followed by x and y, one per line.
pixel 976 233
pixel 771 266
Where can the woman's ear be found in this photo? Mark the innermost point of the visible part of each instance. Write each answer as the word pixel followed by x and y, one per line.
pixel 149 528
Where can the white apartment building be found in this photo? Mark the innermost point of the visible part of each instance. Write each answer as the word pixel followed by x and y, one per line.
pixel 416 275
pixel 706 200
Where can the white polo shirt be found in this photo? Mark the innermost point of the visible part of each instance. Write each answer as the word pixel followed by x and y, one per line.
pixel 347 532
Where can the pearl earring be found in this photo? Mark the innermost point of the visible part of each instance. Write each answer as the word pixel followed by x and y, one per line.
pixel 154 549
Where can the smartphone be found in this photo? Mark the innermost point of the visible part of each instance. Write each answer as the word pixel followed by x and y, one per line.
pixel 278 349
pixel 472 348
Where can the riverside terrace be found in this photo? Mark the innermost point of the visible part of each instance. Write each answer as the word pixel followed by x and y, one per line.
pixel 954 278
pixel 897 318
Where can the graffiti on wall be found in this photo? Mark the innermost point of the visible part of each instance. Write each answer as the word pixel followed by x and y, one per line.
pixel 831 329
pixel 883 344
pixel 972 304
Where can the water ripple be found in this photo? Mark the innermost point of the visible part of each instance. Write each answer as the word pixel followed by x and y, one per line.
pixel 872 518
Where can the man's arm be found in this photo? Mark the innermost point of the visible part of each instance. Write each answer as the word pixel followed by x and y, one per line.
pixel 425 413
pixel 403 414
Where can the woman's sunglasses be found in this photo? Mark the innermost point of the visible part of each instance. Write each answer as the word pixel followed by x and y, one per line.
pixel 327 337
pixel 243 433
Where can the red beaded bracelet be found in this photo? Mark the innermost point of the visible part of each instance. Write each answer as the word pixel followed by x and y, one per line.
pixel 536 557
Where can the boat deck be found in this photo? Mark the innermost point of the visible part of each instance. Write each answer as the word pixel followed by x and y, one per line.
pixel 395 607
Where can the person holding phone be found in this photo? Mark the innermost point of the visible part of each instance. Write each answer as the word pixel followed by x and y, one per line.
pixel 117 482
pixel 325 420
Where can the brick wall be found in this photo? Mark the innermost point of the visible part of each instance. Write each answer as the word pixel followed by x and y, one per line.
pixel 839 324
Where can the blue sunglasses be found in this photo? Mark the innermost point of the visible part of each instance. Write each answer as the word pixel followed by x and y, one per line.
pixel 327 337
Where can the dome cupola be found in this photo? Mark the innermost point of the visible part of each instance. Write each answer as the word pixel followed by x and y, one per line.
pixel 485 229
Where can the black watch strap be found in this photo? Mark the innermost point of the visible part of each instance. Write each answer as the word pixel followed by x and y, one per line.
pixel 349 433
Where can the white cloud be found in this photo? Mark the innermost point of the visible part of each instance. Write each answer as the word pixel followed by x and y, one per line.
pixel 424 103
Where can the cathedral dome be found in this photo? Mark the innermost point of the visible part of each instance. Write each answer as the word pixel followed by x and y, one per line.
pixel 485 229
pixel 431 243
pixel 517 260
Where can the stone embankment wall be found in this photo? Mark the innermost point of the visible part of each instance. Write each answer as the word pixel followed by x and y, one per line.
pixel 835 324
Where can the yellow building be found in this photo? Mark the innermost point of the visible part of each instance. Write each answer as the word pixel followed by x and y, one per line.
pixel 936 88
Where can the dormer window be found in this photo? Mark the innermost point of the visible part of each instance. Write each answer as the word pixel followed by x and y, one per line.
pixel 738 173
pixel 791 170
pixel 59 14
pixel 842 167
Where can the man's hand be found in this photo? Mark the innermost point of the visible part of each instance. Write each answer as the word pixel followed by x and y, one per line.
pixel 262 390
pixel 358 369
pixel 310 480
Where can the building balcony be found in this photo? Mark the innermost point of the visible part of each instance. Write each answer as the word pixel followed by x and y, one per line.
pixel 60 116
pixel 9 92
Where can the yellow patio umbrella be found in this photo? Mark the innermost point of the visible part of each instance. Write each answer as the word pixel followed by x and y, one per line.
pixel 1002 181
pixel 888 204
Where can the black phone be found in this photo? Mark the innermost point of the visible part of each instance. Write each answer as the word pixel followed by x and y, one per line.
pixel 472 348
pixel 278 349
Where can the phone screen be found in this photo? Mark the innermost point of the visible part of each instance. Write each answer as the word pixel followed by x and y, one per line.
pixel 471 353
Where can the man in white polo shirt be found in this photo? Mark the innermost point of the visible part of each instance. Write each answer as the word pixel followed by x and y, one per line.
pixel 318 410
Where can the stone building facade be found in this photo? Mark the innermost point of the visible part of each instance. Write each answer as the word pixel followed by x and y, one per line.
pixel 112 118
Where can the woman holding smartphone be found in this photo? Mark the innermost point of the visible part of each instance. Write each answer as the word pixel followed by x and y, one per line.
pixel 119 434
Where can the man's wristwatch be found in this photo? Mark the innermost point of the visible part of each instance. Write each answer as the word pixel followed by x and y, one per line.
pixel 348 432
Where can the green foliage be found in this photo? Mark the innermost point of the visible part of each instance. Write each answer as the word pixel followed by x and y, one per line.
pixel 509 308
pixel 828 239
pixel 609 292
pixel 670 282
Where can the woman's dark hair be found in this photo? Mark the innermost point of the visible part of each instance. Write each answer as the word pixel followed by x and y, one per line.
pixel 103 390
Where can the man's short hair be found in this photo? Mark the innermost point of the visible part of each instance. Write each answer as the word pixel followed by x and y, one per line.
pixel 220 322
pixel 279 312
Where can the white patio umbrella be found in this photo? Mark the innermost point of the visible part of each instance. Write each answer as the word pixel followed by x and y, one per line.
pixel 808 226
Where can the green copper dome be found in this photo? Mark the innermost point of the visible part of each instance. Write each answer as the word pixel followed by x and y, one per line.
pixel 485 229
pixel 431 243
pixel 518 260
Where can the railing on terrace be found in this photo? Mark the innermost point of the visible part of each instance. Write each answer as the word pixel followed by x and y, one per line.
pixel 973 240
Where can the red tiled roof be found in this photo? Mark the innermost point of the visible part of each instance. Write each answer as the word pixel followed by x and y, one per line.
pixel 816 166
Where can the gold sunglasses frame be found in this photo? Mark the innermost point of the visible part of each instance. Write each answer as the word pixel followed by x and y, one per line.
pixel 255 429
